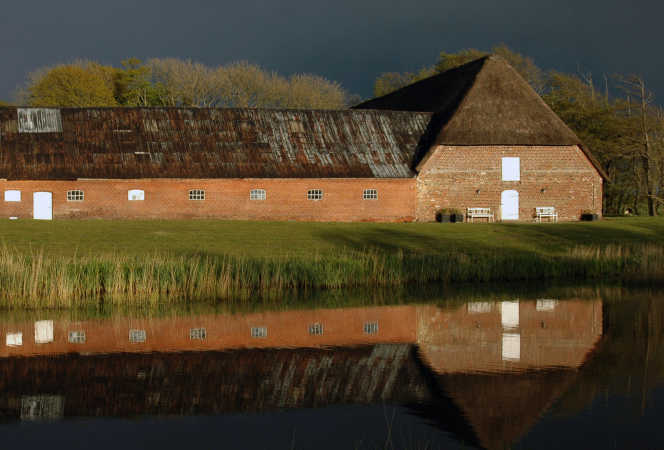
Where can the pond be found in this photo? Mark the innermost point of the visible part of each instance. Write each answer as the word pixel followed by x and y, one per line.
pixel 542 367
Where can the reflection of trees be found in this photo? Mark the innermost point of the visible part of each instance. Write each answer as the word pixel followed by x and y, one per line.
pixel 630 359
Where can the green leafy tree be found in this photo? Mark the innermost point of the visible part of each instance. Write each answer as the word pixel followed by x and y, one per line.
pixel 80 84
pixel 134 85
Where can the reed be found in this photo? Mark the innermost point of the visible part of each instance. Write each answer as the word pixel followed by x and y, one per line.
pixel 35 280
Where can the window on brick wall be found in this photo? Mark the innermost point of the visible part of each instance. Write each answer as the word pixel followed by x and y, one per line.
pixel 315 194
pixel 316 329
pixel 137 336
pixel 77 337
pixel 12 196
pixel 511 169
pixel 136 195
pixel 371 327
pixel 75 196
pixel 370 194
pixel 197 194
pixel 197 334
pixel 257 194
pixel 258 332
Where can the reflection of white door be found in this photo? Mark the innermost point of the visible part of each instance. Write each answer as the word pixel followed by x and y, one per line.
pixel 43 205
pixel 509 205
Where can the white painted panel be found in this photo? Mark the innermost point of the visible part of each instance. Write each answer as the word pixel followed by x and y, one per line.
pixel 546 304
pixel 12 196
pixel 509 314
pixel 43 331
pixel 511 347
pixel 479 307
pixel 39 120
pixel 14 339
pixel 511 169
pixel 509 205
pixel 136 195
pixel 42 205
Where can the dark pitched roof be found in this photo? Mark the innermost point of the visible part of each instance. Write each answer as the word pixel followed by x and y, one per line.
pixel 207 143
pixel 483 102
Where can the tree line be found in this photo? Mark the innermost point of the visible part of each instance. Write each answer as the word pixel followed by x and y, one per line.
pixel 616 118
pixel 177 82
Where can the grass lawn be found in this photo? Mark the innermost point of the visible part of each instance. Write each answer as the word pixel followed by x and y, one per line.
pixel 259 239
pixel 81 263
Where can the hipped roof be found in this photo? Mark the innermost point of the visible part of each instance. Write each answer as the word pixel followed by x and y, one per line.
pixel 213 143
pixel 484 102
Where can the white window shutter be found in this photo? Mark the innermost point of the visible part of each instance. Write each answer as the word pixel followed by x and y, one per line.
pixel 511 169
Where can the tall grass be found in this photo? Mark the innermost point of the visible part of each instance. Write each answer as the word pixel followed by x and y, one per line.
pixel 32 279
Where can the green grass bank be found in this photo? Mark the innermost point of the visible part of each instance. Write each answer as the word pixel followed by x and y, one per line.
pixel 82 263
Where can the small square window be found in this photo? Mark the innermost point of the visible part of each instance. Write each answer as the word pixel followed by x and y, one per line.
pixel 370 194
pixel 137 336
pixel 316 329
pixel 258 332
pixel 315 194
pixel 136 195
pixel 75 196
pixel 257 194
pixel 546 304
pixel 197 194
pixel 77 337
pixel 12 196
pixel 479 307
pixel 371 328
pixel 197 334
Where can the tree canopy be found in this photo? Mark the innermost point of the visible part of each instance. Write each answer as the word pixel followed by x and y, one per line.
pixel 178 82
pixel 79 84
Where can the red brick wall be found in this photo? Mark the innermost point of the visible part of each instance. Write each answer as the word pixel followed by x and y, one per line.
pixel 225 198
pixel 550 176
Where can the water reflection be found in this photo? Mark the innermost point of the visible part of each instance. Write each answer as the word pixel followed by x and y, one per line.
pixel 485 372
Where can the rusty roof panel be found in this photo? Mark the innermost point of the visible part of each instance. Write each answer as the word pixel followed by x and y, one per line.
pixel 213 143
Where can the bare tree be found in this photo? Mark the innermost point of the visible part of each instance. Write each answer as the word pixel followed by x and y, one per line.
pixel 644 126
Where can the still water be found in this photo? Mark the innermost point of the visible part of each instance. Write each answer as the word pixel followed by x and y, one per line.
pixel 573 367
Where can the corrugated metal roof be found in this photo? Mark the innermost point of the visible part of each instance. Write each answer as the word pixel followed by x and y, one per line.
pixel 213 143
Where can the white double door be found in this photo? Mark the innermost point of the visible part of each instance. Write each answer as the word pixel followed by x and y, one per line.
pixel 42 206
pixel 509 205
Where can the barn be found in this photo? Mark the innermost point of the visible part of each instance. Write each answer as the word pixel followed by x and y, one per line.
pixel 475 138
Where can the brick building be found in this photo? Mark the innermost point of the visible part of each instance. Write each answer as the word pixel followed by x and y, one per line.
pixel 475 136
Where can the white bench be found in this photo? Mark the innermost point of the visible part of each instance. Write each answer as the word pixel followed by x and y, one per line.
pixel 546 211
pixel 479 213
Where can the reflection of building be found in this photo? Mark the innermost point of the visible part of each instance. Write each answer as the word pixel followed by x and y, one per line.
pixel 482 336
pixel 508 335
pixel 449 364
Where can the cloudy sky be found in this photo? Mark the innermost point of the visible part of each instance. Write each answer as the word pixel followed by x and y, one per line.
pixel 350 41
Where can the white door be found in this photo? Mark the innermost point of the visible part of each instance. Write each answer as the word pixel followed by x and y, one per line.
pixel 43 205
pixel 509 205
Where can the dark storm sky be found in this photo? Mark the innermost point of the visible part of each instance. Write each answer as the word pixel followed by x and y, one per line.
pixel 350 41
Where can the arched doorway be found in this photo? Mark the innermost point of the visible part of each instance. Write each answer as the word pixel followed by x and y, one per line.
pixel 509 205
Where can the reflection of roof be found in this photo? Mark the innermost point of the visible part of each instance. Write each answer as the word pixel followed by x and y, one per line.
pixel 501 408
pixel 214 382
pixel 484 410
pixel 210 143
